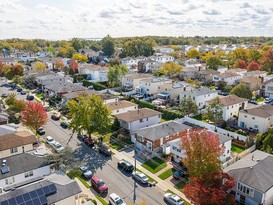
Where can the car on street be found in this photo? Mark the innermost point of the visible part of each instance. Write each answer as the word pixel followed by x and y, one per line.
pixel 98 185
pixel 64 124
pixel 55 117
pixel 81 137
pixel 41 131
pixel 140 177
pixel 173 199
pixel 268 100
pixel 19 90
pixel 30 97
pixel 114 199
pixel 4 95
pixel 86 172
pixel 23 92
pixel 58 147
pixel 50 140
pixel 104 149
pixel 126 166
pixel 89 142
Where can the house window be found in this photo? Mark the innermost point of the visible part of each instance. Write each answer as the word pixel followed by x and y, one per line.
pixel 139 138
pixel 117 110
pixel 245 116
pixel 141 120
pixel 9 180
pixel 256 126
pixel 13 150
pixel 147 89
pixel 147 119
pixel 245 189
pixel 29 174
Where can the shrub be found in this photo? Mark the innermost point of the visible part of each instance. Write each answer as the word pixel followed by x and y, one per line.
pixel 97 86
pixel 74 173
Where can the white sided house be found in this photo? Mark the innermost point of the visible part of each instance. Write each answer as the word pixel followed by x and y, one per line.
pixel 149 86
pixel 132 81
pixel 122 106
pixel 94 73
pixel 267 88
pixel 162 59
pixel 229 77
pixel 136 119
pixel 258 119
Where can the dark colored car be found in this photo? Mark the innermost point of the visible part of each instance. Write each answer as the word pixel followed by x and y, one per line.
pixel 81 137
pixel 64 124
pixel 105 150
pixel 98 185
pixel 126 166
pixel 23 92
pixel 55 117
pixel 30 97
pixel 179 174
pixel 4 95
pixel 19 90
pixel 41 131
pixel 89 142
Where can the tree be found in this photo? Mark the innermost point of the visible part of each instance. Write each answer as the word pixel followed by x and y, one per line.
pixel 254 55
pixel 221 85
pixel 74 66
pixel 195 83
pixel 115 74
pixel 239 63
pixel 59 64
pixel 213 62
pixel 39 66
pixel 34 116
pixel 267 60
pixel 10 99
pixel 253 66
pixel 240 53
pixel 89 114
pixel 137 47
pixel 188 106
pixel 76 44
pixel 17 79
pixel 193 53
pixel 214 191
pixel 267 142
pixel 18 106
pixel 202 150
pixel 214 111
pixel 170 69
pixel 241 90
pixel 80 58
pixel 108 45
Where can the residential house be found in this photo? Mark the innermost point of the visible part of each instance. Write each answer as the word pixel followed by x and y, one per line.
pixel 148 66
pixel 232 104
pixel 122 106
pixel 129 62
pixel 55 189
pixel 206 76
pixel 16 143
pixel 259 118
pixel 153 138
pixel 192 63
pixel 267 88
pixel 190 72
pixel 199 95
pixel 256 73
pixel 169 93
pixel 163 50
pixel 4 118
pixel 254 178
pixel 238 71
pixel 19 169
pixel 222 69
pixel 53 79
pixel 178 152
pixel 253 83
pixel 131 81
pixel 134 120
pixel 228 77
pixel 95 73
pixel 9 61
pixel 149 86
pixel 162 58
pixel 8 129
pixel 74 95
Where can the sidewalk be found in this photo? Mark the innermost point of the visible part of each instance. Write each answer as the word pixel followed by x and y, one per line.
pixel 164 185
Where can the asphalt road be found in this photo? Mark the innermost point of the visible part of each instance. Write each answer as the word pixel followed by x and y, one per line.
pixel 104 167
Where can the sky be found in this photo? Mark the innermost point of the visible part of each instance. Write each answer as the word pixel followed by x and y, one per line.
pixel 66 19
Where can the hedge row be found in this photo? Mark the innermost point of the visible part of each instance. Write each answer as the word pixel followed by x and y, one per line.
pixel 96 86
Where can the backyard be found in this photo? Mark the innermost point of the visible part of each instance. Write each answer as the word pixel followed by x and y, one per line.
pixel 154 165
pixel 237 149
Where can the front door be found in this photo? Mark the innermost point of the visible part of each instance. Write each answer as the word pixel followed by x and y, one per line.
pixel 242 200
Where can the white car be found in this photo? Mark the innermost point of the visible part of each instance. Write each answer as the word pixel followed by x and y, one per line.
pixel 173 199
pixel 140 177
pixel 86 172
pixel 114 199
pixel 58 147
pixel 50 140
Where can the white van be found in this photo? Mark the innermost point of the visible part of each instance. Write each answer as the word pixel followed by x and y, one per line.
pixel 114 199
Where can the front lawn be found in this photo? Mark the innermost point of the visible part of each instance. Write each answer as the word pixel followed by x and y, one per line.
pixel 179 186
pixel 166 174
pixel 259 99
pixel 154 165
pixel 212 87
pixel 236 149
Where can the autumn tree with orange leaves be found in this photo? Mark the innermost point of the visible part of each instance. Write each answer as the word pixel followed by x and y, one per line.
pixel 207 185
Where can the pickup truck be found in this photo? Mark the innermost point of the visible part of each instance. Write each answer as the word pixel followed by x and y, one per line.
pixel 105 150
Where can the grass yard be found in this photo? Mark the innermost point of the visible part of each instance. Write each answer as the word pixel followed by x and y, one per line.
pixel 179 186
pixel 186 203
pixel 166 174
pixel 39 96
pixel 236 149
pixel 150 178
pixel 154 165
pixel 85 183
pixel 212 87
pixel 102 200
pixel 199 117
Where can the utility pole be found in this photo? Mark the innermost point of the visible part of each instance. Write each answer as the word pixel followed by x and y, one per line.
pixel 134 199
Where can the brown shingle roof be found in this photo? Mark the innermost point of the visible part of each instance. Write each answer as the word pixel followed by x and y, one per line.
pixel 227 75
pixel 17 139
pixel 263 111
pixel 252 80
pixel 231 100
pixel 135 115
pixel 75 94
pixel 120 104
pixel 138 76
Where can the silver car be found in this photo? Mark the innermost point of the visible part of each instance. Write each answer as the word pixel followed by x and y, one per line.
pixel 86 172
pixel 140 177
pixel 173 199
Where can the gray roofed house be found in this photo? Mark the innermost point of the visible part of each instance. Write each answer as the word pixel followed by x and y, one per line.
pixel 254 178
pixel 8 129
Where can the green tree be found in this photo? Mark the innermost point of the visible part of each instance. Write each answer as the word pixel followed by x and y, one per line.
pixel 188 106
pixel 80 58
pixel 137 47
pixel 241 90
pixel 76 44
pixel 214 111
pixel 193 53
pixel 195 83
pixel 10 99
pixel 17 79
pixel 89 114
pixel 108 45
pixel 170 69
pixel 39 66
pixel 254 55
pixel 213 62
pixel 115 74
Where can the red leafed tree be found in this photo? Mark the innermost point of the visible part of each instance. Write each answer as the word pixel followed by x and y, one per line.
pixel 212 189
pixel 239 63
pixel 202 149
pixel 59 64
pixel 267 60
pixel 253 66
pixel 74 65
pixel 1 64
pixel 34 115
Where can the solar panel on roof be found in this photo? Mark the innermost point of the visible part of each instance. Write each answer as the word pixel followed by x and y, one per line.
pixel 43 200
pixel 46 190
pixel 40 192
pixel 12 201
pixel 52 188
pixel 19 199
pixel 26 197
pixel 29 203
pixel 4 203
pixel 36 201
pixel 33 194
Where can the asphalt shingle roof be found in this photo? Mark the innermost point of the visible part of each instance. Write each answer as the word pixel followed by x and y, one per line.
pixel 231 100
pixel 199 91
pixel 134 115
pixel 263 111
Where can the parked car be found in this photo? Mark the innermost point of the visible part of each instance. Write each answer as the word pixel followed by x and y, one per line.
pixel 125 165
pixel 81 137
pixel 268 100
pixel 58 147
pixel 64 124
pixel 4 95
pixel 19 90
pixel 23 92
pixel 55 117
pixel 105 150
pixel 86 172
pixel 173 199
pixel 89 141
pixel 140 177
pixel 50 140
pixel 30 97
pixel 253 102
pixel 98 185
pixel 41 131
pixel 114 199
pixel 182 173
